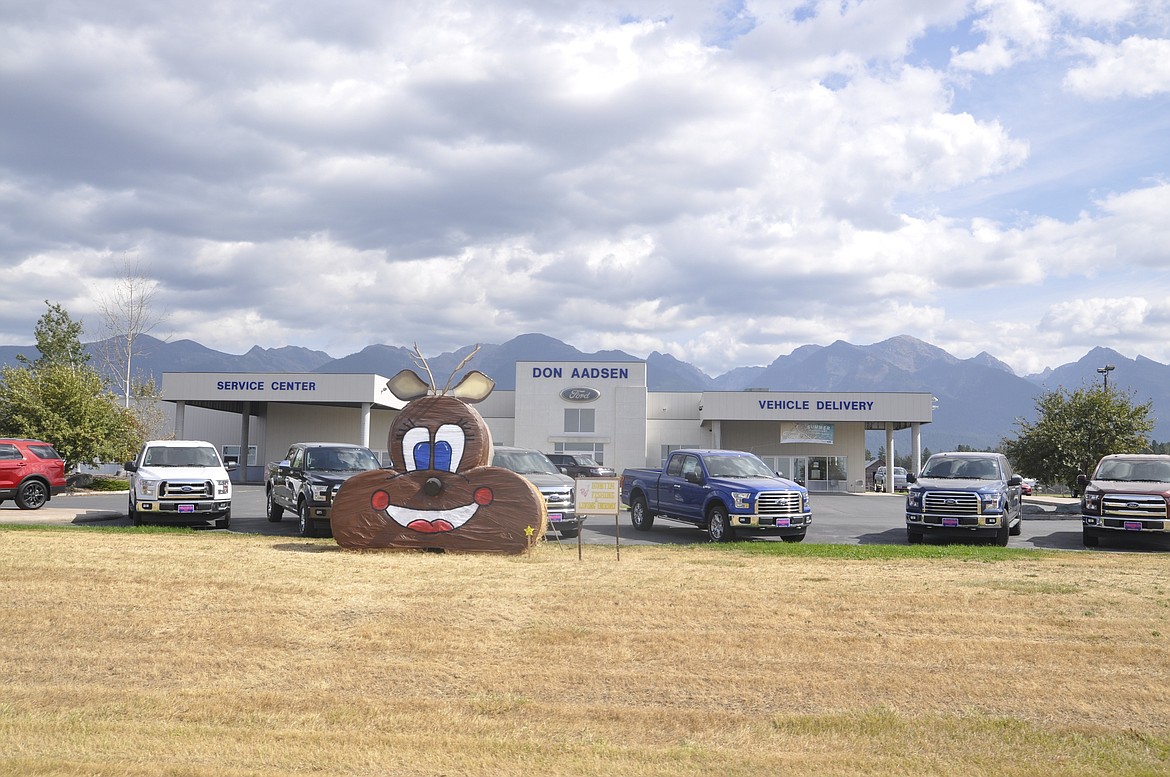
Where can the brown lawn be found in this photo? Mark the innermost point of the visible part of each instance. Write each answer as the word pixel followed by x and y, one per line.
pixel 219 654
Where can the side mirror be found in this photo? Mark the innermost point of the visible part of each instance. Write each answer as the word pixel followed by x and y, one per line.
pixel 231 466
pixel 1082 480
pixel 130 466
pixel 283 464
pixel 1015 480
pixel 693 477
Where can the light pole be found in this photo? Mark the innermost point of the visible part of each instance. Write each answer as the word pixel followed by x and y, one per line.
pixel 1104 371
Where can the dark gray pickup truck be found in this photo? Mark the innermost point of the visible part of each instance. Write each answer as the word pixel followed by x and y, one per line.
pixel 307 479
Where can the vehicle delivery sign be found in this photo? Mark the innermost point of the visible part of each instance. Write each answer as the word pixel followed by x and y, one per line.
pixel 598 496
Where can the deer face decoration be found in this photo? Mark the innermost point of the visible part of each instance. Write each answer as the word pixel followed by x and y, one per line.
pixel 440 492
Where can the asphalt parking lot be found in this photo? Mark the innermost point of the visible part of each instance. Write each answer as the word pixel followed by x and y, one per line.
pixel 843 519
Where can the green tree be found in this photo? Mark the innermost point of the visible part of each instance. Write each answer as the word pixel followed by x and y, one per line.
pixel 69 408
pixel 59 398
pixel 58 339
pixel 1074 429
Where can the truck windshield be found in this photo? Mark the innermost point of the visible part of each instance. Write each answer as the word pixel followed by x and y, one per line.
pixel 340 460
pixel 174 456
pixel 524 462
pixel 1134 471
pixel 964 469
pixel 738 467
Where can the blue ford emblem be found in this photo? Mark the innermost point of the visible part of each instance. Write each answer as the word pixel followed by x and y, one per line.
pixel 1131 506
pixel 580 394
pixel 187 489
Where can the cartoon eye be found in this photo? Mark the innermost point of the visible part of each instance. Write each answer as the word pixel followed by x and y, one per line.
pixel 416 448
pixel 449 441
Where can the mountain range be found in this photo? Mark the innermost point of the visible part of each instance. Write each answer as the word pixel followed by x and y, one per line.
pixel 978 400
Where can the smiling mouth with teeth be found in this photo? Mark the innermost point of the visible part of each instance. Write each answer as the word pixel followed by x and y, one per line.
pixel 430 521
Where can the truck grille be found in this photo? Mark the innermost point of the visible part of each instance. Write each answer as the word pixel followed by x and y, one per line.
pixel 558 499
pixel 779 503
pixel 178 490
pixel 1134 506
pixel 951 502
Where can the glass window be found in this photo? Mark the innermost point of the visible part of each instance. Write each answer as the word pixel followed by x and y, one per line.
pixel 44 451
pixel 669 449
pixel 594 449
pixel 9 451
pixel 579 420
pixel 232 453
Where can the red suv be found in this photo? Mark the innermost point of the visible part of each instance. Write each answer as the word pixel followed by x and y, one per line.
pixel 31 472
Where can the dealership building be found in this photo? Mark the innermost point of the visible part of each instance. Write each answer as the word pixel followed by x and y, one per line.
pixel 599 408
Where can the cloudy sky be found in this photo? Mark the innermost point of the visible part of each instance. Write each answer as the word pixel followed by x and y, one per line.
pixel 721 181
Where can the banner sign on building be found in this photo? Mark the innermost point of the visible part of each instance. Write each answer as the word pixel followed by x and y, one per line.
pixel 807 432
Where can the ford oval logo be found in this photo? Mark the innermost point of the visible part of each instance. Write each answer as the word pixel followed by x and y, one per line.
pixel 187 489
pixel 580 394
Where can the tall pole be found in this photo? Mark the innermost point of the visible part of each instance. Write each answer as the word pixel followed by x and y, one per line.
pixel 1104 372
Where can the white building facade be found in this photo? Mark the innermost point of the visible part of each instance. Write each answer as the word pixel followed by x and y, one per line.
pixel 602 409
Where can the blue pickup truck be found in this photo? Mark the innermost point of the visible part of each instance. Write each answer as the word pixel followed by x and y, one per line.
pixel 722 491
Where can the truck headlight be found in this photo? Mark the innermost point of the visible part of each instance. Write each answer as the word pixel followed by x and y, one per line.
pixel 742 500
pixel 222 486
pixel 147 487
pixel 1092 501
pixel 914 499
pixel 989 502
pixel 321 493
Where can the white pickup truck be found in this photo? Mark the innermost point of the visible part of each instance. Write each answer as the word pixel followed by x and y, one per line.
pixel 180 482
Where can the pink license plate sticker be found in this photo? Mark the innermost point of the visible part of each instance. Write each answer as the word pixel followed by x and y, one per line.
pixel 554 516
pixel 186 508
pixel 783 522
pixel 950 521
pixel 1133 525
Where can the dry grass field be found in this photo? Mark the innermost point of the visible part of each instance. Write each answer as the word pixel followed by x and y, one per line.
pixel 129 653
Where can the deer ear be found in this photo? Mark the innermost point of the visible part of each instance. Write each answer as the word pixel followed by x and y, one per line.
pixel 407 386
pixel 474 387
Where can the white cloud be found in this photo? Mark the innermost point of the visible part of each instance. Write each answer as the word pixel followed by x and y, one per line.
pixel 1136 67
pixel 645 176
pixel 1014 30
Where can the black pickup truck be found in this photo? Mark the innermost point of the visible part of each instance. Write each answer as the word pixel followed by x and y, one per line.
pixel 307 479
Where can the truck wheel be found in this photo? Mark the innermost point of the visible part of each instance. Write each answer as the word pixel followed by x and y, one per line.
pixel 719 526
pixel 640 514
pixel 793 537
pixel 306 527
pixel 1019 527
pixel 275 511
pixel 1001 535
pixel 1090 539
pixel 133 514
pixel 913 537
pixel 225 522
pixel 32 495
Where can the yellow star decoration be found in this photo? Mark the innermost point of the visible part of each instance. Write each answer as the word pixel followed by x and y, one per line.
pixel 529 531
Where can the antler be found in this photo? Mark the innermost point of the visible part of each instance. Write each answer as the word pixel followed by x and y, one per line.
pixel 466 359
pixel 419 361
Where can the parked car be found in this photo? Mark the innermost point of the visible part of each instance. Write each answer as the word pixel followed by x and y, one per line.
pixel 964 494
pixel 556 487
pixel 1027 486
pixel 31 472
pixel 1127 494
pixel 879 479
pixel 578 465
pixel 306 480
pixel 182 482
